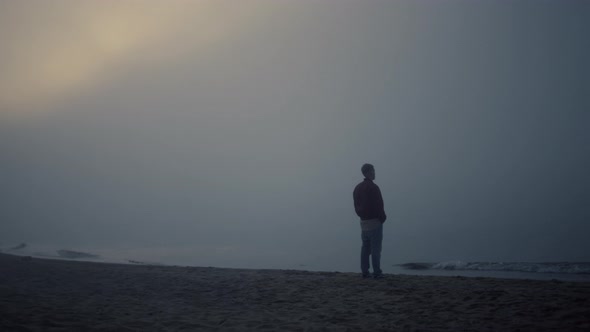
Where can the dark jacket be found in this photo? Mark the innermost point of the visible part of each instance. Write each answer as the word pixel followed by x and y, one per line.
pixel 368 203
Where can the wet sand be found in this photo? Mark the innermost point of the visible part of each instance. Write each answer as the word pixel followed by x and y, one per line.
pixel 55 295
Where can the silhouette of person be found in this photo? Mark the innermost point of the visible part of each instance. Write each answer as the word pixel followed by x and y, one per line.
pixel 368 205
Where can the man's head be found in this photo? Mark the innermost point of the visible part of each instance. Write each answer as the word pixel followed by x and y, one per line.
pixel 368 171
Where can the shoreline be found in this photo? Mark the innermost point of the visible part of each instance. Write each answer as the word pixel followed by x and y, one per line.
pixel 397 268
pixel 47 294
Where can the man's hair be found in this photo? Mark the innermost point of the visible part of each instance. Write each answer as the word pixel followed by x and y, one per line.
pixel 367 168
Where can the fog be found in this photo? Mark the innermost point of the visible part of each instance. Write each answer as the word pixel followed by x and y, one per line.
pixel 224 134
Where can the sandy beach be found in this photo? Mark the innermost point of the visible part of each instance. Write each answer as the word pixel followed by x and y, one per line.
pixel 56 295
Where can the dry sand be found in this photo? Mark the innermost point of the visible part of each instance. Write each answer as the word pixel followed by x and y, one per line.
pixel 52 295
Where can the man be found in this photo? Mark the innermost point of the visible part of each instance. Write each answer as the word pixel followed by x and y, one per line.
pixel 368 205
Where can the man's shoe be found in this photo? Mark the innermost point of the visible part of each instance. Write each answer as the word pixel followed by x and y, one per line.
pixel 365 276
pixel 378 276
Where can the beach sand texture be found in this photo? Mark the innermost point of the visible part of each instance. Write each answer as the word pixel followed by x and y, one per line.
pixel 53 295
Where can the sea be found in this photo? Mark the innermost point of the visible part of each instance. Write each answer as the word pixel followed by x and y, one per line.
pixel 561 271
pixel 564 271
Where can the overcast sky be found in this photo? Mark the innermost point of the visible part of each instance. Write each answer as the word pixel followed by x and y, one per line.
pixel 234 131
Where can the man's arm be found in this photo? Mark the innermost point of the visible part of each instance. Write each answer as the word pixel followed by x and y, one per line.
pixel 379 201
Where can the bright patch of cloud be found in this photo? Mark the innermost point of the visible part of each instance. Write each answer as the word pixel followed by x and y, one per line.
pixel 52 49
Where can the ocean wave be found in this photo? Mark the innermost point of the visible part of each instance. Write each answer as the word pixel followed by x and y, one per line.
pixel 54 252
pixel 24 249
pixel 76 254
pixel 552 267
